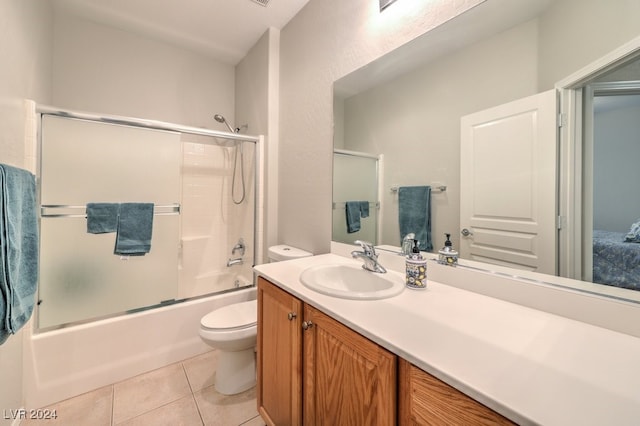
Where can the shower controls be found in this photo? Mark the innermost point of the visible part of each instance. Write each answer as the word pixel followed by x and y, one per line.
pixel 240 246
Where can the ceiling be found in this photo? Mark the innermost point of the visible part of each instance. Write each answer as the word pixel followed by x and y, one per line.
pixel 223 29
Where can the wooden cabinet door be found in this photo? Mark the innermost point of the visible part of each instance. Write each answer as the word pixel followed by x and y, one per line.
pixel 425 400
pixel 348 379
pixel 279 387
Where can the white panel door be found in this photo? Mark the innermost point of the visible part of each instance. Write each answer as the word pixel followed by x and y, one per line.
pixel 508 184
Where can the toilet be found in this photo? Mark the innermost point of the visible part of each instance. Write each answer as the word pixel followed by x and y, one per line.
pixel 232 329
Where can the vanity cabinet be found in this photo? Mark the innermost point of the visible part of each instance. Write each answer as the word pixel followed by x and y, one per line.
pixel 425 400
pixel 348 379
pixel 279 357
pixel 308 360
pixel 313 370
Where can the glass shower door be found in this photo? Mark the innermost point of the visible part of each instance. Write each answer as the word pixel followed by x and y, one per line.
pixel 83 162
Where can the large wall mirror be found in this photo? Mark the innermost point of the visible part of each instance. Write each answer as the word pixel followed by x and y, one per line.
pixel 405 110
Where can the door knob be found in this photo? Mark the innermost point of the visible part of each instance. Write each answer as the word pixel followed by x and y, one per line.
pixel 307 325
pixel 465 232
pixel 291 316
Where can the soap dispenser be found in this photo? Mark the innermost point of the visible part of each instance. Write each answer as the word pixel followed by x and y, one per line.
pixel 416 269
pixel 448 256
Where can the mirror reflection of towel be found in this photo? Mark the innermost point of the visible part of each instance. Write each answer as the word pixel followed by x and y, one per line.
pixel 414 214
pixel 353 216
pixel 364 209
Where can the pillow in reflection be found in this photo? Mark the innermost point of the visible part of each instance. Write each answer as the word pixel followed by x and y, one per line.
pixel 634 233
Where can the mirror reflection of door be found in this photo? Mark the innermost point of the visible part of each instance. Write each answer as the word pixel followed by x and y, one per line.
pixel 611 175
pixel 508 184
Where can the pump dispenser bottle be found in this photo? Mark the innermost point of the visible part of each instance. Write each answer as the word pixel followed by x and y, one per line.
pixel 416 278
pixel 448 256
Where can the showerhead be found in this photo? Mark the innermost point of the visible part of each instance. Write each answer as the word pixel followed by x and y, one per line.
pixel 220 119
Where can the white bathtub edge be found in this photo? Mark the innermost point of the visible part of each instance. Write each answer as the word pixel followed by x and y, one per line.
pixel 64 363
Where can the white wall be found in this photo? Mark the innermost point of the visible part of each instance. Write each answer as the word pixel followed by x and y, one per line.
pixel 616 148
pixel 574 33
pixel 325 41
pixel 256 105
pixel 97 68
pixel 25 49
pixel 414 120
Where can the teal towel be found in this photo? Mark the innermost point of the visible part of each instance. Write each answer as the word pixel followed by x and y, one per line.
pixel 135 225
pixel 364 209
pixel 102 217
pixel 19 241
pixel 353 216
pixel 414 211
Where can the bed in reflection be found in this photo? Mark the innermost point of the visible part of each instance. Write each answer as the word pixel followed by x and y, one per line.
pixel 615 262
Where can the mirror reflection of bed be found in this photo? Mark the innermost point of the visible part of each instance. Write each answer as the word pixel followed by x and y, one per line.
pixel 616 204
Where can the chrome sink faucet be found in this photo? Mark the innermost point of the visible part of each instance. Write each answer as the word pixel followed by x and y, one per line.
pixel 369 256
pixel 407 244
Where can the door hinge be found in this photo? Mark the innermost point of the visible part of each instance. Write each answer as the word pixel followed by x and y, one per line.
pixel 560 222
pixel 561 119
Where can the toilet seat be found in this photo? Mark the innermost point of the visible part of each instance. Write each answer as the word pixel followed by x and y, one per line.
pixel 236 316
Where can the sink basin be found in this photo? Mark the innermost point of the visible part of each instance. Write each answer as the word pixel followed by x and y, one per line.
pixel 352 282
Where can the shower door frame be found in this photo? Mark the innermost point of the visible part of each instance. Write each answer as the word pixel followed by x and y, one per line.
pixel 42 110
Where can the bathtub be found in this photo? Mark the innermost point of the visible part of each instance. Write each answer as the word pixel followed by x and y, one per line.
pixel 67 362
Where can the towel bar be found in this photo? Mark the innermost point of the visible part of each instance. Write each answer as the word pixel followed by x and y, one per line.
pixel 434 188
pixel 342 205
pixel 160 210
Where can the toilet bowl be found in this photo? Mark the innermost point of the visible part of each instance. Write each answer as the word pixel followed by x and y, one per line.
pixel 232 329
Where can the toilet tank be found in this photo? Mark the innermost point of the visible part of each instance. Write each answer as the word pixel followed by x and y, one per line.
pixel 285 252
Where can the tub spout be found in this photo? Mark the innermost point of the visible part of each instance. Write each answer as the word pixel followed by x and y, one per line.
pixel 236 261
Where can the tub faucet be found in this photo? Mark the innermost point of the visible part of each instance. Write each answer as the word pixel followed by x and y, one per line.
pixel 369 256
pixel 236 261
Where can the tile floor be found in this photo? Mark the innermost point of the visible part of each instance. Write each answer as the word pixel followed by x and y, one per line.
pixel 178 394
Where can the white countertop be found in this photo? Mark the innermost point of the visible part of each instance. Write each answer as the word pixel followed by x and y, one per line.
pixel 533 367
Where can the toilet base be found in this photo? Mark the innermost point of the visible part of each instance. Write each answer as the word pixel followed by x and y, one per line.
pixel 236 371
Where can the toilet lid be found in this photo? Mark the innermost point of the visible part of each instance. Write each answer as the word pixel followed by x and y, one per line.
pixel 236 315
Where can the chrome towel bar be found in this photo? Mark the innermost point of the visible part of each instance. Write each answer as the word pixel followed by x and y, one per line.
pixel 63 210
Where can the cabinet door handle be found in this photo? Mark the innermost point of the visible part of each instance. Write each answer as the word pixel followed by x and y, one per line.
pixel 291 316
pixel 307 325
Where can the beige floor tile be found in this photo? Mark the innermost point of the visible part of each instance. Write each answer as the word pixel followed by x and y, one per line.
pixel 222 410
pixel 256 421
pixel 148 391
pixel 91 409
pixel 182 412
pixel 201 370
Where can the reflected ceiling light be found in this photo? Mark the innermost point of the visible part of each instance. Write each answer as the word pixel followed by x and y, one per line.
pixel 385 3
